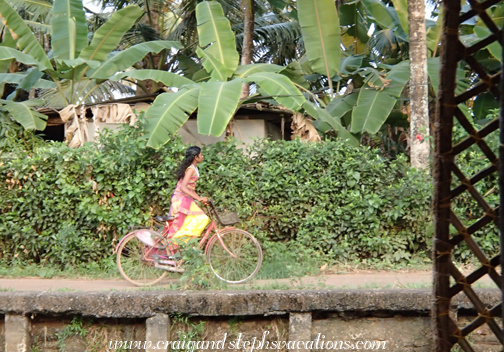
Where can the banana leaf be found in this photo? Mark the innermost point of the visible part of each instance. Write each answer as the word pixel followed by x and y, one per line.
pixel 335 122
pixel 246 70
pixel 340 106
pixel 434 34
pixel 483 104
pixel 320 28
pixel 64 65
pixel 126 58
pixel 216 36
pixel 19 78
pixel 398 77
pixel 9 54
pixel 494 48
pixel 213 66
pixel 109 35
pixel 168 113
pixel 401 7
pixel 373 108
pixel 23 35
pixel 280 88
pixel 69 29
pixel 217 104
pixel 169 79
pixel 386 17
pixel 23 113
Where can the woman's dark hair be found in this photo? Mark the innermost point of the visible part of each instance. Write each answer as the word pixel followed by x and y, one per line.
pixel 191 153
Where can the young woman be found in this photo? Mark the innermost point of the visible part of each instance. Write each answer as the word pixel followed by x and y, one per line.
pixel 190 220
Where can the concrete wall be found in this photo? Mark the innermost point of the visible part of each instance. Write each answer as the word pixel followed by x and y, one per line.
pixel 244 130
pixel 398 319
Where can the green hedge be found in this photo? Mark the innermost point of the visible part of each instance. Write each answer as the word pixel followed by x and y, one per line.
pixel 63 205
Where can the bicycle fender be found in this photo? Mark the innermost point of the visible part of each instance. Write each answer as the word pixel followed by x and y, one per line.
pixel 121 241
pixel 124 237
pixel 214 235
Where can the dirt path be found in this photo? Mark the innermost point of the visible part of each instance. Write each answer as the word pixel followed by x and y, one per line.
pixel 360 280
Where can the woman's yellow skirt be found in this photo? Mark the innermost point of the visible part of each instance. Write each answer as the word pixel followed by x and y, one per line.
pixel 193 225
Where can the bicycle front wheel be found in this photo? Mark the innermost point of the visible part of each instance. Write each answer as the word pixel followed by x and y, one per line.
pixel 133 266
pixel 245 261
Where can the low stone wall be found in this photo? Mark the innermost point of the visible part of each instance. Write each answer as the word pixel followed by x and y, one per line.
pixel 91 321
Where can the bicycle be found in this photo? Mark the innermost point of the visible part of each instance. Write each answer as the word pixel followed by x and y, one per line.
pixel 145 256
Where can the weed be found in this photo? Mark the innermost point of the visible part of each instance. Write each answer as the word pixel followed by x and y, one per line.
pixel 76 328
pixel 187 334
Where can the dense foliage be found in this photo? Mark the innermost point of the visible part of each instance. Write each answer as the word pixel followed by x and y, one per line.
pixel 63 205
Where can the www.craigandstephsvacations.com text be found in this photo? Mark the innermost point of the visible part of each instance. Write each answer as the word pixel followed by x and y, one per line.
pixel 319 343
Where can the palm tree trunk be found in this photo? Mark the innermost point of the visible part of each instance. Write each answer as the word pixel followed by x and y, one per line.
pixel 248 45
pixel 419 89
pixel 248 39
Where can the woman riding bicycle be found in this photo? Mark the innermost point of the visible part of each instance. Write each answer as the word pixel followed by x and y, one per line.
pixel 190 220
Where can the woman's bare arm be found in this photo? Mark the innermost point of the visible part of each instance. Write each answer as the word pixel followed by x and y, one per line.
pixel 190 171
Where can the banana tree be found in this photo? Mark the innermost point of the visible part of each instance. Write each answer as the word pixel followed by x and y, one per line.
pixel 216 94
pixel 370 72
pixel 77 69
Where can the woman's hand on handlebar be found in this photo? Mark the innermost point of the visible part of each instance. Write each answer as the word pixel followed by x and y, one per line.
pixel 204 200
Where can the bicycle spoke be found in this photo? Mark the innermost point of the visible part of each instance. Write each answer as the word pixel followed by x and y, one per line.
pixel 243 262
pixel 134 267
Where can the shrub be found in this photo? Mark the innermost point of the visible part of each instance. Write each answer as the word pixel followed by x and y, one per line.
pixel 63 205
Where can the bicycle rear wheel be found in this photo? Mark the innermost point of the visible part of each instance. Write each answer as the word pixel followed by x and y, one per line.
pixel 132 265
pixel 247 251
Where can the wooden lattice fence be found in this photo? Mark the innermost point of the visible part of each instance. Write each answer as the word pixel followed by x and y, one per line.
pixel 451 182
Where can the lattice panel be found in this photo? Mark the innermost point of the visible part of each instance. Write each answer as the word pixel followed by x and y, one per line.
pixel 451 182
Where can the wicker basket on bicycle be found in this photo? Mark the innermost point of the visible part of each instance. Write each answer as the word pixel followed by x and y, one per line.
pixel 227 218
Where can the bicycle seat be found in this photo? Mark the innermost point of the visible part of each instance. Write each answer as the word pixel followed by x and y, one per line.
pixel 164 218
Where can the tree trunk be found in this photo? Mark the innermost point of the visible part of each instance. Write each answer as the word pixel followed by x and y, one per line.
pixel 419 89
pixel 248 39
pixel 247 46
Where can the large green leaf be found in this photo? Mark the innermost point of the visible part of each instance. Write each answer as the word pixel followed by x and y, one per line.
pixel 23 35
pixel 385 17
pixel 217 104
pixel 126 58
pixel 19 78
pixel 7 54
pixel 434 34
pixel 108 36
pixel 401 7
pixel 216 37
pixel 483 104
pixel 216 68
pixel 495 48
pixel 433 67
pixel 73 63
pixel 69 29
pixel 169 79
pixel 168 113
pixel 295 73
pixel 350 64
pixel 23 113
pixel 373 108
pixel 398 77
pixel 280 88
pixel 335 122
pixel 320 27
pixel 246 70
pixel 340 106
